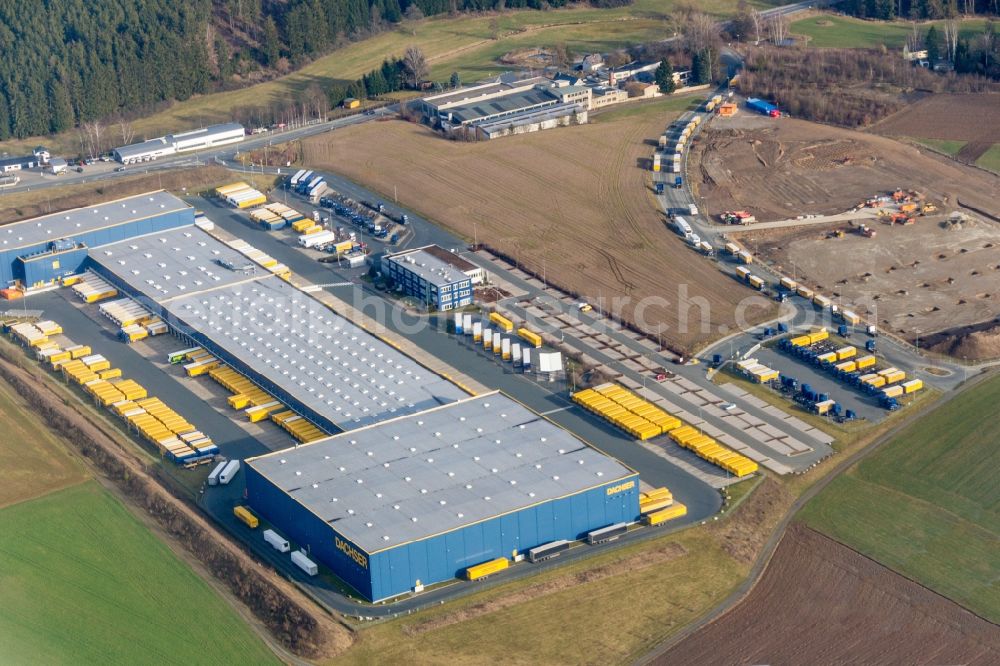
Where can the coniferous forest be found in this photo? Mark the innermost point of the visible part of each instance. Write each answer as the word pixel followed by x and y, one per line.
pixel 67 62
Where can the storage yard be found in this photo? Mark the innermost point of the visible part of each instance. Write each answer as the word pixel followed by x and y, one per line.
pixel 784 168
pixel 285 357
pixel 821 602
pixel 575 205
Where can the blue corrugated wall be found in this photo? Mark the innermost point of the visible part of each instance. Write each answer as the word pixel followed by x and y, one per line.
pixel 49 266
pixel 305 530
pixel 92 239
pixel 395 571
pixel 444 557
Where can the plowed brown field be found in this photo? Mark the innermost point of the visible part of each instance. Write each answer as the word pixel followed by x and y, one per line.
pixel 574 203
pixel 820 602
pixel 952 117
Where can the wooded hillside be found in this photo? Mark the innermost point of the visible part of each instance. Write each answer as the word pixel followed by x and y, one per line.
pixel 67 62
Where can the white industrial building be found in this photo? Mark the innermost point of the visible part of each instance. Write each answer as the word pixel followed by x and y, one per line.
pixel 200 139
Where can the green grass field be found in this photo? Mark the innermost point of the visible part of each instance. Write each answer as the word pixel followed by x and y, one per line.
pixel 83 582
pixel 928 504
pixel 32 461
pixel 829 31
pixel 990 159
pixel 946 146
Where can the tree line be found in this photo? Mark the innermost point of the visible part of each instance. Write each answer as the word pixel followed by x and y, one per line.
pixel 849 87
pixel 71 62
pixel 917 9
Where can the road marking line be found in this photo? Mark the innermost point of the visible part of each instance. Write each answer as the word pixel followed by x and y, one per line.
pixel 553 411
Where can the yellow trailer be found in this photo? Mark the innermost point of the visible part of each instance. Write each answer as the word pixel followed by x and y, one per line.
pixel 846 352
pixel 506 325
pixel 245 516
pixel 532 338
pixel 866 362
pixel 677 510
pixel 480 571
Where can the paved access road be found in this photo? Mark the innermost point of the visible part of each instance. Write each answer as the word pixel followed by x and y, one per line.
pixel 701 499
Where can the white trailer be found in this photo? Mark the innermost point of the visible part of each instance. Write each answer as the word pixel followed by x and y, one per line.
pixel 228 472
pixel 683 228
pixel 312 240
pixel 294 180
pixel 693 210
pixel 213 478
pixel 300 560
pixel 278 542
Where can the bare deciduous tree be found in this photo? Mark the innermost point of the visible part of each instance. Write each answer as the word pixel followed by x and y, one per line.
pixel 758 22
pixel 950 30
pixel 128 132
pixel 777 28
pixel 700 32
pixel 92 138
pixel 415 64
pixel 914 40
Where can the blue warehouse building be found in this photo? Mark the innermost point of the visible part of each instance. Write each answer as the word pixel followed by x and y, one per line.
pixel 40 251
pixel 431 275
pixel 418 499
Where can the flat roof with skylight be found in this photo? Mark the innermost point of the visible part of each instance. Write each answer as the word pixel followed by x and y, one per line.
pixel 176 262
pixel 70 223
pixel 321 359
pixel 425 474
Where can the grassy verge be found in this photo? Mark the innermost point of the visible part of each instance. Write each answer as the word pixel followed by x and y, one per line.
pixel 671 103
pixel 563 616
pixel 946 146
pixel 990 159
pixel 21 205
pixel 32 461
pixel 829 31
pixel 85 582
pixel 928 505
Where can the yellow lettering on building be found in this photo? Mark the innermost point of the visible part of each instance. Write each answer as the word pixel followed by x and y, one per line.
pixel 351 552
pixel 621 487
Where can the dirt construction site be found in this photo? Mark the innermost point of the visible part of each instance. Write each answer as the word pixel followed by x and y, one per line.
pixel 783 168
pixel 821 602
pixel 937 279
pixel 572 204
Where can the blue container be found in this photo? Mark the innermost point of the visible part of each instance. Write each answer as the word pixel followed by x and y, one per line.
pixel 823 396
pixel 836 408
pixel 806 388
pixel 842 331
pixel 768 332
pixel 782 328
pixel 717 359
pixel 870 345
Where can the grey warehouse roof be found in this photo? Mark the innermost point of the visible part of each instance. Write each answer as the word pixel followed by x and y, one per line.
pixel 175 262
pixel 414 477
pixel 82 220
pixel 506 104
pixel 143 148
pixel 428 266
pixel 321 359
pixel 206 131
